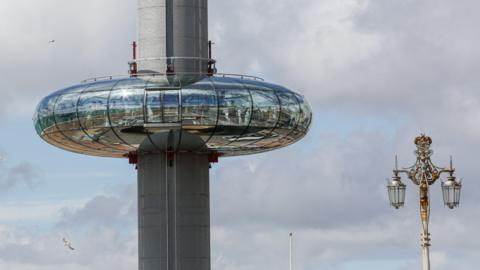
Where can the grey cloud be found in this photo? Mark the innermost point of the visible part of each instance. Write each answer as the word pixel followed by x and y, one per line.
pixel 327 184
pixel 117 210
pixel 360 56
pixel 103 232
pixel 22 173
pixel 102 249
pixel 92 39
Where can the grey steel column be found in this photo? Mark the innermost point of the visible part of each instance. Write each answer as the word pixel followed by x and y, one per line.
pixel 173 32
pixel 174 212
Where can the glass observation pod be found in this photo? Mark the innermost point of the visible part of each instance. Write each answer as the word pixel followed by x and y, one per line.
pixel 229 115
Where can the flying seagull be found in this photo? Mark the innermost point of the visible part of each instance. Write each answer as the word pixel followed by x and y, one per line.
pixel 67 244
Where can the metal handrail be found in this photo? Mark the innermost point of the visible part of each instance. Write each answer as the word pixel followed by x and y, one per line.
pixel 224 75
pixel 172 58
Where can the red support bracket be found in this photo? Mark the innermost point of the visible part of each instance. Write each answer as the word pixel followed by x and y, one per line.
pixel 214 156
pixel 132 158
pixel 170 69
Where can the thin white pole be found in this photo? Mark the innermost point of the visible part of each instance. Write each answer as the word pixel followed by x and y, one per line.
pixel 291 239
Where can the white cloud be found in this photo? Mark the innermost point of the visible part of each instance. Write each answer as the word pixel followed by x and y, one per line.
pixel 99 243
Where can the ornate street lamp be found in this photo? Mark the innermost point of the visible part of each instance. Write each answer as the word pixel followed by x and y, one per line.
pixel 424 174
pixel 451 192
pixel 396 192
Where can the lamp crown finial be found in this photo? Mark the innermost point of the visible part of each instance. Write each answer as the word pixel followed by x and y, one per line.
pixel 423 141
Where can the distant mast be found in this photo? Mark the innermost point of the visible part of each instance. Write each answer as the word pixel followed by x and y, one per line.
pixel 291 240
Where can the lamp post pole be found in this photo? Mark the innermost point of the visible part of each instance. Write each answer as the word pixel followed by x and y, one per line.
pixel 425 215
pixel 424 174
pixel 290 255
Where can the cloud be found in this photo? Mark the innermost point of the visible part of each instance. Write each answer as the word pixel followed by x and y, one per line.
pixel 21 173
pixel 331 171
pixel 117 210
pixel 100 243
pixel 88 43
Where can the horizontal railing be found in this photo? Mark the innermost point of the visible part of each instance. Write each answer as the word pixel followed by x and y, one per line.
pixel 140 75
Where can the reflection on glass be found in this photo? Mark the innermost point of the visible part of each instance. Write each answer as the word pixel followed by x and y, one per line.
pixel 66 112
pixel 43 113
pixel 199 108
pixel 126 107
pixel 199 113
pixel 170 100
pixel 130 83
pixel 126 115
pixel 265 116
pixel 229 115
pixel 92 110
pixel 154 107
pixel 306 118
pixel 288 121
pixel 68 143
pixel 36 121
pixel 65 109
pixel 93 116
pixel 290 111
pixel 235 108
pixel 163 106
pixel 265 109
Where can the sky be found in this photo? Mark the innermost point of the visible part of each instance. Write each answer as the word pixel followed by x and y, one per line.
pixel 377 74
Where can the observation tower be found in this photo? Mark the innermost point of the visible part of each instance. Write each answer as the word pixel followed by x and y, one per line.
pixel 173 115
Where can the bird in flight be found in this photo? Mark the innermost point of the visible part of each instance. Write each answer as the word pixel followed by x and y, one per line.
pixel 67 244
pixel 51 41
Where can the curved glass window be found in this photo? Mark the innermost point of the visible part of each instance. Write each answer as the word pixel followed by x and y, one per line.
pixel 126 107
pixel 93 118
pixel 126 115
pixel 66 108
pixel 66 112
pixel 36 121
pixel 46 122
pixel 286 130
pixel 163 106
pixel 199 112
pixel 93 102
pixel 235 108
pixel 265 114
pixel 306 114
pixel 199 108
pixel 68 124
pixel 265 109
pixel 287 122
pixel 234 113
pixel 154 109
pixel 51 132
pixel 171 106
pixel 290 112
pixel 45 114
pixel 92 110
